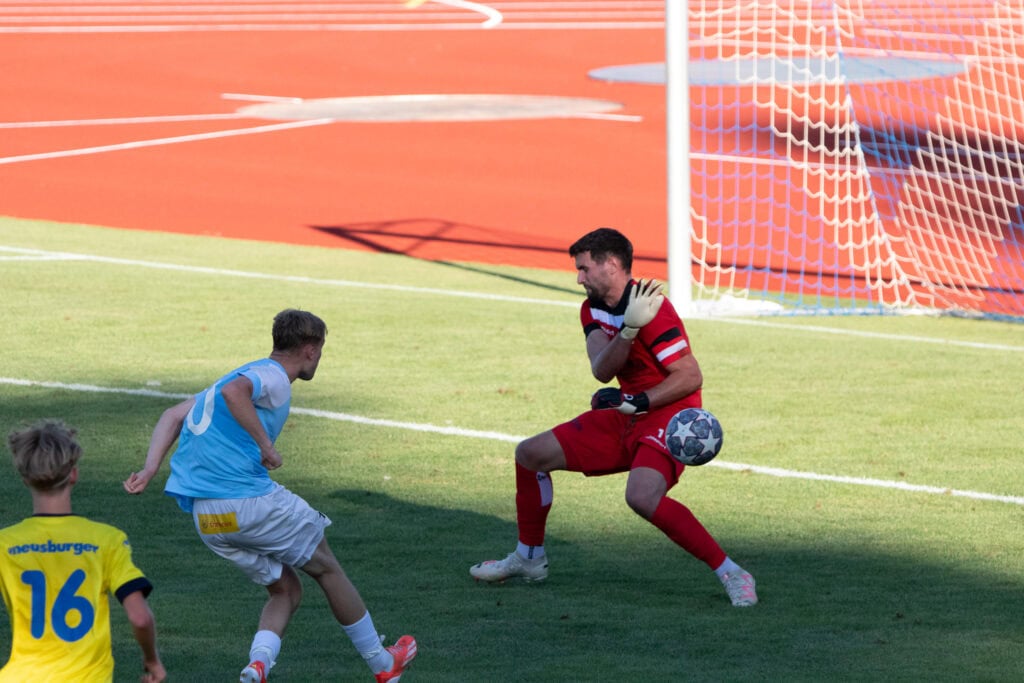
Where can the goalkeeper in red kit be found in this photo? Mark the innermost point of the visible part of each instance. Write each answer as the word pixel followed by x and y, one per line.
pixel 634 335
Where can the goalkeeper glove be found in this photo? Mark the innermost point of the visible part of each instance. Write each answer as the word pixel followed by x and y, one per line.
pixel 645 300
pixel 610 397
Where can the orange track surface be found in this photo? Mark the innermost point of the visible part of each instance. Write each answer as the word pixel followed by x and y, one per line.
pixel 506 191
pixel 516 192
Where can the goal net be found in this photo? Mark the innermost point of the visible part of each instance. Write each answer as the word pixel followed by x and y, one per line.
pixel 852 156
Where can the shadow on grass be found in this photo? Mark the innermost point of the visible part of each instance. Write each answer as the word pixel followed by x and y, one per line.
pixel 621 604
pixel 435 240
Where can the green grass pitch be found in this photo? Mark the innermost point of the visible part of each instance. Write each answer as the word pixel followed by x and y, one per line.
pixel 876 492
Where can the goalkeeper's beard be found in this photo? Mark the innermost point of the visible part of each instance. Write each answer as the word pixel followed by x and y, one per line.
pixel 593 298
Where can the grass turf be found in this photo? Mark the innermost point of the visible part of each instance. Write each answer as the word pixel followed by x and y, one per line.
pixel 857 582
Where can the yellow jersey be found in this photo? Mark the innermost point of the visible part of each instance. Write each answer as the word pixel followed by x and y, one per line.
pixel 56 572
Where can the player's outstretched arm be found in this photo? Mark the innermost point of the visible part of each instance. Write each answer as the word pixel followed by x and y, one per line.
pixel 164 435
pixel 144 629
pixel 644 302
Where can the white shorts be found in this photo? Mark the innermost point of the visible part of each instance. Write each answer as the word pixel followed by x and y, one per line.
pixel 259 535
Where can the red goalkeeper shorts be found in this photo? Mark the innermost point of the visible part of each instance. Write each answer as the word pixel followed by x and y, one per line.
pixel 600 442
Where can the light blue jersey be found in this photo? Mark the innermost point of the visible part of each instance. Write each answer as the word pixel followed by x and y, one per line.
pixel 216 457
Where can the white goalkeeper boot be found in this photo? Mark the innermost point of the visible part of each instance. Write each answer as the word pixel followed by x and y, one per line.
pixel 512 566
pixel 739 585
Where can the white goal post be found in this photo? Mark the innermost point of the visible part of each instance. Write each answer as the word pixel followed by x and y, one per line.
pixel 846 156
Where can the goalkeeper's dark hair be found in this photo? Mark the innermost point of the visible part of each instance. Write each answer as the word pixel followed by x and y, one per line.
pixel 605 242
pixel 293 328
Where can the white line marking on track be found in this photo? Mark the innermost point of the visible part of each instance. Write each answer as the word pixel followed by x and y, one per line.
pixel 170 118
pixel 163 141
pixel 509 438
pixel 288 28
pixel 494 17
pixel 348 27
pixel 608 117
pixel 258 98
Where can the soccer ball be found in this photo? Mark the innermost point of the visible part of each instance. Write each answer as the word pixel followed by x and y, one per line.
pixel 693 436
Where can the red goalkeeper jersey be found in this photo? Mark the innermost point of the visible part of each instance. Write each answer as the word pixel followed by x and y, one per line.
pixel 660 342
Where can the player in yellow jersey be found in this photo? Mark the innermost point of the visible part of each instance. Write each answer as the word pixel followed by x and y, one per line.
pixel 56 570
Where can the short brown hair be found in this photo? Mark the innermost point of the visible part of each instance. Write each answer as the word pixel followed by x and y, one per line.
pixel 293 328
pixel 45 453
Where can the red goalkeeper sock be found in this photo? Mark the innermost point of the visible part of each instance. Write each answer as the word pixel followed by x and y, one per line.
pixel 677 522
pixel 533 502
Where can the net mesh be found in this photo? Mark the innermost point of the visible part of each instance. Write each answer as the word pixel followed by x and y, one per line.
pixel 855 156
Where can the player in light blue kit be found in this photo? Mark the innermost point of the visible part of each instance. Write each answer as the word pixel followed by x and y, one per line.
pixel 219 474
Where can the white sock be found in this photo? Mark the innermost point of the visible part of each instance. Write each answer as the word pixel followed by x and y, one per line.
pixel 727 567
pixel 367 641
pixel 530 552
pixel 266 646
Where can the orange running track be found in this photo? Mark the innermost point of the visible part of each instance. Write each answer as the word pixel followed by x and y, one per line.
pixel 128 116
pixel 505 191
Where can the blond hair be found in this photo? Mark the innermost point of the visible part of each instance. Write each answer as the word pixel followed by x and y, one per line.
pixel 45 453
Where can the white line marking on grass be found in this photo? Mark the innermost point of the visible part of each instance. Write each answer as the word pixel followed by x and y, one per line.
pixel 42 254
pixel 33 257
pixel 872 335
pixel 508 438
pixel 413 426
pixel 91 388
pixel 164 141
pixel 290 278
pixel 863 481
